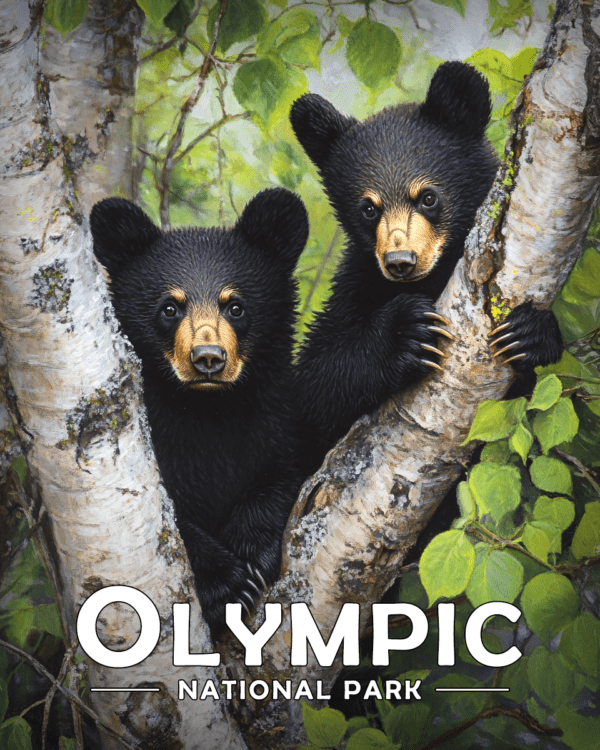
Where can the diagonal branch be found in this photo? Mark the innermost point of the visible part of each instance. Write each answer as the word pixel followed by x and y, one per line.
pixel 186 109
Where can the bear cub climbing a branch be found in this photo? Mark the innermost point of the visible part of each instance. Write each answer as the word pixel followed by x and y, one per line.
pixel 211 315
pixel 405 185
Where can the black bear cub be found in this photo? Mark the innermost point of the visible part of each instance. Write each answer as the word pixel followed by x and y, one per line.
pixel 211 314
pixel 405 185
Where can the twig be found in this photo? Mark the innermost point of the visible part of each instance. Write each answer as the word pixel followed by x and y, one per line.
pixel 320 271
pixel 51 693
pixel 585 472
pixel 39 541
pixel 186 109
pixel 73 697
pixel 178 37
pixel 192 144
pixel 514 713
pixel 77 728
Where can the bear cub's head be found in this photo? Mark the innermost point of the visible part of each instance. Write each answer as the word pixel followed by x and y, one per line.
pixel 205 308
pixel 406 182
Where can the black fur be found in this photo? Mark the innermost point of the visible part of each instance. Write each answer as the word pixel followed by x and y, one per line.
pixel 367 343
pixel 227 457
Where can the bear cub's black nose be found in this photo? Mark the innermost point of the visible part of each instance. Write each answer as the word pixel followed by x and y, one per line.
pixel 208 360
pixel 400 263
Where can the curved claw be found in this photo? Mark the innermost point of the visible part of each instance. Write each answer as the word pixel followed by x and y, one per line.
pixel 260 578
pixel 244 606
pixel 499 328
pixel 507 348
pixel 254 586
pixel 437 329
pixel 512 359
pixel 502 338
pixel 431 364
pixel 434 350
pixel 437 316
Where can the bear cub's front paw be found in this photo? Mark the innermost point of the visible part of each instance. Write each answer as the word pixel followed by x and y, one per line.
pixel 418 328
pixel 242 584
pixel 528 338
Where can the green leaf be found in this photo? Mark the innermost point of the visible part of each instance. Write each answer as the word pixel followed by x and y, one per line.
pixel 541 538
pixel 65 15
pixel 580 732
pixel 67 743
pixel 522 62
pixel 515 678
pixel 373 53
pixel 546 393
pixel 242 20
pixel 156 10
pixel 521 440
pixel 549 603
pixel 496 489
pixel 446 565
pixel 180 15
pixel 499 452
pixel 25 617
pixel 534 708
pixel 495 420
pixel 580 644
pixel 369 739
pixel 466 502
pixel 294 36
pixel 567 365
pixel 550 677
pixel 356 723
pixel 267 87
pixel 583 284
pixel 496 577
pixel 555 510
pixel 15 734
pixel 506 14
pixel 551 475
pixel 406 724
pixel 457 5
pixel 586 540
pixel 19 465
pixel 324 728
pixel 557 425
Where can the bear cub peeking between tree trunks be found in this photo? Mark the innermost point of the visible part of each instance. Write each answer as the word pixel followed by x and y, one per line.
pixel 211 314
pixel 405 185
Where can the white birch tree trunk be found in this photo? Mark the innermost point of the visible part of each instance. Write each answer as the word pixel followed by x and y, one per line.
pixel 66 112
pixel 65 143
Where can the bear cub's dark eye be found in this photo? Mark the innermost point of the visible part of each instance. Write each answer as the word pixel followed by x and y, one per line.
pixel 235 310
pixel 429 199
pixel 369 211
pixel 169 310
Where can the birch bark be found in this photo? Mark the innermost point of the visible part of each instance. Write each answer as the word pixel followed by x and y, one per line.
pixel 65 141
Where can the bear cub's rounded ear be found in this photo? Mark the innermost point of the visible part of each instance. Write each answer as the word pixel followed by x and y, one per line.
pixel 317 125
pixel 121 231
pixel 275 221
pixel 459 98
